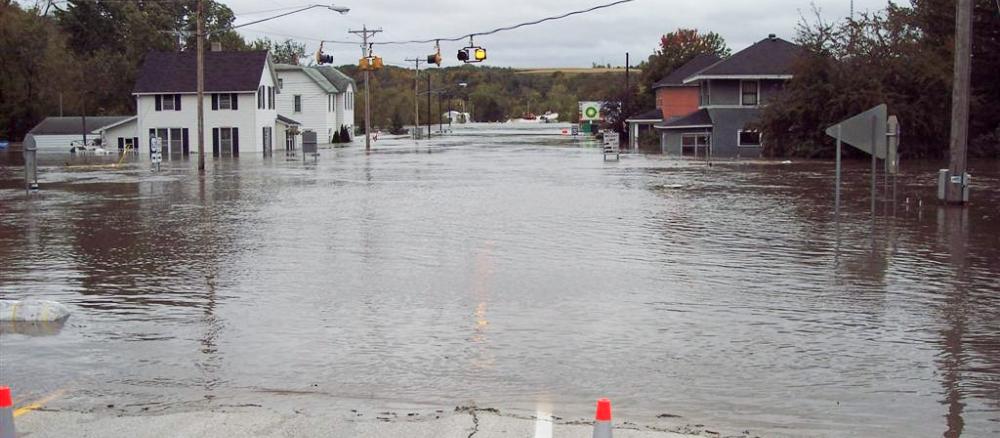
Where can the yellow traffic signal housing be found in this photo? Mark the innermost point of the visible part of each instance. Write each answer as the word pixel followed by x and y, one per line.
pixel 480 54
pixel 434 59
pixel 377 63
pixel 363 64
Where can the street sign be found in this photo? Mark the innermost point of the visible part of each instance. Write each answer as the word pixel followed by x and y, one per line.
pixel 865 131
pixel 590 111
pixel 155 156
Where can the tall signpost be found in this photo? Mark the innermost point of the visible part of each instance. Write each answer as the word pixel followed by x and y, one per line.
pixel 869 132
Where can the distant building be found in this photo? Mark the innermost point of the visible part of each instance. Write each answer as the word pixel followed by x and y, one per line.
pixel 240 108
pixel 321 98
pixel 731 94
pixel 59 134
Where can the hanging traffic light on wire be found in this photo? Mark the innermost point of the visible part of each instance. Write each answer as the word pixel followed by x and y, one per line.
pixel 435 58
pixel 322 58
pixel 472 53
pixel 370 62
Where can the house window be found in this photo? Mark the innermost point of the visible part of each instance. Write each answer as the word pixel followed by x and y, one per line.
pixel 749 93
pixel 695 144
pixel 225 101
pixel 298 103
pixel 706 93
pixel 329 103
pixel 168 102
pixel 281 84
pixel 750 138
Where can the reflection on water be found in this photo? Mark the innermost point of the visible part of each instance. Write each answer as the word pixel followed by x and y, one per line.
pixel 516 271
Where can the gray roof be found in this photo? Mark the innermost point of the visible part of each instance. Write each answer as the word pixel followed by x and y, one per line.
pixel 287 121
pixel 695 65
pixel 313 74
pixel 176 72
pixel 771 56
pixel 336 77
pixel 653 114
pixel 700 118
pixel 73 125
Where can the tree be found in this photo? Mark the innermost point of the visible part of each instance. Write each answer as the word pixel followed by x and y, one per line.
pixel 901 56
pixel 676 49
pixel 285 52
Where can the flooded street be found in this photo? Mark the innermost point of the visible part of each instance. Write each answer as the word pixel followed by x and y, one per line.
pixel 514 269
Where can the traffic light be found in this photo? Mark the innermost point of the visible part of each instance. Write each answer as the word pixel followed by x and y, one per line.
pixel 323 58
pixel 434 59
pixel 472 54
pixel 370 64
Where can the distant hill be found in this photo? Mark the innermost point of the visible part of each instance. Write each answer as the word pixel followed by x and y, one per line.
pixel 573 70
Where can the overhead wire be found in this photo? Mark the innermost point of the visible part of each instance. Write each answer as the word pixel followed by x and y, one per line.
pixel 508 28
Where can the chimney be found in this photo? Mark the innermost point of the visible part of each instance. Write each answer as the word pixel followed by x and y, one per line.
pixel 772 37
pixel 216 46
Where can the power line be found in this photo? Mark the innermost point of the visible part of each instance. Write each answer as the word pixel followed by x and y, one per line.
pixel 512 27
pixel 459 38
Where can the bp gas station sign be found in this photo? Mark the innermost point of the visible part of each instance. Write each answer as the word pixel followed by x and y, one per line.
pixel 590 111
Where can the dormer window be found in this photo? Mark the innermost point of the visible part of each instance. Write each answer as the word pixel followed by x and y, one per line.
pixel 749 93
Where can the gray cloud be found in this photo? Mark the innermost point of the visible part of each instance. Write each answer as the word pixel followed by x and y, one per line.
pixel 603 36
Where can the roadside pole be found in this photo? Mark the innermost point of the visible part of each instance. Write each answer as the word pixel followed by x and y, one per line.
pixel 416 97
pixel 200 35
pixel 428 104
pixel 366 51
pixel 956 183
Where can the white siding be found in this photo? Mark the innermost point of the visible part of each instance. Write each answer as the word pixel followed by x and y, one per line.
pixel 315 114
pixel 126 130
pixel 345 115
pixel 59 143
pixel 247 118
pixel 263 117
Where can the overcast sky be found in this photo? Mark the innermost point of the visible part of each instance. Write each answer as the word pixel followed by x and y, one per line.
pixel 602 36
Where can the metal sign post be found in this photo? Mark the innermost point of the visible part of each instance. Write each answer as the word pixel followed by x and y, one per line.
pixel 30 164
pixel 155 156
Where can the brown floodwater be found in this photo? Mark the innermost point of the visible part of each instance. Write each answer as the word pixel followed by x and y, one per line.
pixel 513 270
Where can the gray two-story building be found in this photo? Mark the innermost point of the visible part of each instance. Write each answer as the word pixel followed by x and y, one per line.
pixel 732 92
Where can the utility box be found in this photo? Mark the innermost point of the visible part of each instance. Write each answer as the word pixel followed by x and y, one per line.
pixel 309 142
pixel 945 178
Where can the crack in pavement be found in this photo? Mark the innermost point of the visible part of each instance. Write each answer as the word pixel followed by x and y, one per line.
pixel 475 423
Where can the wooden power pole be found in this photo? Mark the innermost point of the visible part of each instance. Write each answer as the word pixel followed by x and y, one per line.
pixel 416 94
pixel 960 103
pixel 201 86
pixel 366 33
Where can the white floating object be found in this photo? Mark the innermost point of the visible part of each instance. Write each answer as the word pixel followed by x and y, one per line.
pixel 32 310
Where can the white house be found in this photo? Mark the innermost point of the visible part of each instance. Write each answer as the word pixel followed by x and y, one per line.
pixel 241 115
pixel 59 134
pixel 320 98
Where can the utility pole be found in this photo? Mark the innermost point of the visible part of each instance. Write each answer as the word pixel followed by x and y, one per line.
pixel 960 103
pixel 625 108
pixel 416 96
pixel 428 104
pixel 366 51
pixel 200 35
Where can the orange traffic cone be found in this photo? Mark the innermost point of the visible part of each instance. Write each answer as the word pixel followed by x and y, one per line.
pixel 6 414
pixel 602 420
